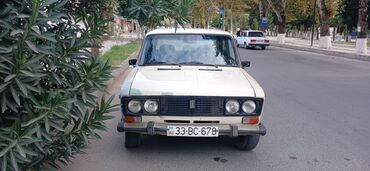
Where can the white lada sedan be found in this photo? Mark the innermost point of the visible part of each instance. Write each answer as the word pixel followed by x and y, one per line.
pixel 191 83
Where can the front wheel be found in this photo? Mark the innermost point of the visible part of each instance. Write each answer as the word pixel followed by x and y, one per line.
pixel 263 47
pixel 132 140
pixel 245 46
pixel 247 143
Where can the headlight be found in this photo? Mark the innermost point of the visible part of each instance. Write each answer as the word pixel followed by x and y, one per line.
pixel 249 106
pixel 134 106
pixel 232 106
pixel 151 106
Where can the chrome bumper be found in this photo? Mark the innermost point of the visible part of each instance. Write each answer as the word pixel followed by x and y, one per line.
pixel 152 128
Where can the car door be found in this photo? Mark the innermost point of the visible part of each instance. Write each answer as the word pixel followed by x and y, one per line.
pixel 242 38
pixel 239 38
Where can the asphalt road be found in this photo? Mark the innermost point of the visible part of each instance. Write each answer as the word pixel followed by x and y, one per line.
pixel 317 114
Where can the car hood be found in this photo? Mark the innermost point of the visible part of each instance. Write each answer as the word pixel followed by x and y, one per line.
pixel 190 81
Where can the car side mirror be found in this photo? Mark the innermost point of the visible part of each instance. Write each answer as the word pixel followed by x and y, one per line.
pixel 246 64
pixel 132 61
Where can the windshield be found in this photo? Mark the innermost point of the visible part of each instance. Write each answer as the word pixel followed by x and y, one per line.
pixel 188 49
pixel 255 34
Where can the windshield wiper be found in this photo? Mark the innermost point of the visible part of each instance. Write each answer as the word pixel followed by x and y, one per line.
pixel 192 63
pixel 168 69
pixel 197 63
pixel 160 63
pixel 209 69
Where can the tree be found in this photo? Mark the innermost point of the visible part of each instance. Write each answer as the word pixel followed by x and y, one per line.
pixel 335 22
pixel 348 17
pixel 48 81
pixel 231 8
pixel 300 17
pixel 361 42
pixel 279 8
pixel 325 41
pixel 203 12
pixel 262 6
pixel 150 13
pixel 253 19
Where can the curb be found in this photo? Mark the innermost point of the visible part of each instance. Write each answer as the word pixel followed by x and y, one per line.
pixel 326 52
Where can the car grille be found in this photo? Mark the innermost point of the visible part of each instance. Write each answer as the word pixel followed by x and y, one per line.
pixel 180 106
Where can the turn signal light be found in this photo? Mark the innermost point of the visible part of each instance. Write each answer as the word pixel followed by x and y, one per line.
pixel 248 120
pixel 132 119
pixel 267 41
pixel 253 40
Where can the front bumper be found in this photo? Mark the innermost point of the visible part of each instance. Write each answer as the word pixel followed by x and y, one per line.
pixel 152 128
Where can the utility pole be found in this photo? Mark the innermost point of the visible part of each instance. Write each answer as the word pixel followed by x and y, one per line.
pixel 313 24
pixel 221 11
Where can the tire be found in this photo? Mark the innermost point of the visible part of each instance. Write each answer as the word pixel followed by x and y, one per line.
pixel 237 45
pixel 247 143
pixel 263 47
pixel 132 140
pixel 245 46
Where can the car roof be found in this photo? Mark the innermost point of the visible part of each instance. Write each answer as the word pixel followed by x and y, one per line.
pixel 252 31
pixel 188 31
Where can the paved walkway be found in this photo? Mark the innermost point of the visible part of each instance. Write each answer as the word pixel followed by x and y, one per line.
pixel 346 48
pixel 124 38
pixel 338 49
pixel 132 35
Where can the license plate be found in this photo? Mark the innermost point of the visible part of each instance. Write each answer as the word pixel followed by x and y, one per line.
pixel 260 41
pixel 192 131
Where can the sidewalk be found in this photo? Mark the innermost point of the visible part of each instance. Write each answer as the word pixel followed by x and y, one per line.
pixel 130 35
pixel 108 44
pixel 342 50
pixel 122 39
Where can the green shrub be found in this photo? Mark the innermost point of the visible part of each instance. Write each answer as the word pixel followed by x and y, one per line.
pixel 49 80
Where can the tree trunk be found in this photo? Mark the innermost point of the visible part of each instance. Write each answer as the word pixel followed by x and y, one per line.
pixel 209 14
pixel 279 9
pixel 361 42
pixel 334 34
pixel 325 41
pixel 231 22
pixel 262 8
pixel 317 33
pixel 281 29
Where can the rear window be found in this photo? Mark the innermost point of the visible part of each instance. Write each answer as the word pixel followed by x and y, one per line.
pixel 255 34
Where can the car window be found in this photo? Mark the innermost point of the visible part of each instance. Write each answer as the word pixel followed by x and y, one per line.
pixel 188 49
pixel 255 34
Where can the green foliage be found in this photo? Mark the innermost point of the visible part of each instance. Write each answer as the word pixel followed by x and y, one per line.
pixel 302 21
pixel 253 19
pixel 335 21
pixel 348 12
pixel 119 53
pixel 48 81
pixel 215 22
pixel 150 13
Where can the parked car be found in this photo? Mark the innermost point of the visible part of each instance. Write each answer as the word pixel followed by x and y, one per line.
pixel 191 83
pixel 252 39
